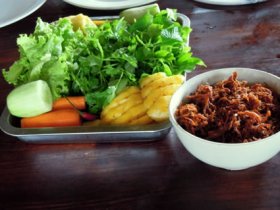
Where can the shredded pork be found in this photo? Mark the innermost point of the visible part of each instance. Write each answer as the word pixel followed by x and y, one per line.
pixel 231 111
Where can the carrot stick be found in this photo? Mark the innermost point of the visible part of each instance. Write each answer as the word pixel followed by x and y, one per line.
pixel 79 102
pixel 57 118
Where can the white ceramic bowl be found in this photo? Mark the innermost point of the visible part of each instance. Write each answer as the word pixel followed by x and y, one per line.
pixel 231 156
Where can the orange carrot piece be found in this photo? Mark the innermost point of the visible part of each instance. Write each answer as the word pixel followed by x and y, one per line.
pixel 62 103
pixel 57 118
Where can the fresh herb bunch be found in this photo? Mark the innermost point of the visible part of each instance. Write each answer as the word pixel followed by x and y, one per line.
pixel 99 62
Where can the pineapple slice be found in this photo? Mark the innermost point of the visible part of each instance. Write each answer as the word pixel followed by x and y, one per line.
pixel 159 110
pixel 126 109
pixel 156 91
pixel 144 105
pixel 155 95
pixel 80 21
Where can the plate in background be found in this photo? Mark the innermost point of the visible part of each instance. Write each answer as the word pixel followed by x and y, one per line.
pixel 108 4
pixel 230 2
pixel 14 10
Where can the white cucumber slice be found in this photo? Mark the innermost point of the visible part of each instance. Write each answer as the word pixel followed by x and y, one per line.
pixel 29 100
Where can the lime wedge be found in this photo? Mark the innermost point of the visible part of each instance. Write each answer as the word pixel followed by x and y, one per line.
pixel 131 14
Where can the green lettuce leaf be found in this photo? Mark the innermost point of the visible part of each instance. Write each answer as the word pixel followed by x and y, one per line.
pixel 99 62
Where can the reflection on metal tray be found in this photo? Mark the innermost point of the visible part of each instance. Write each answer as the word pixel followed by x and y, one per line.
pixel 88 134
pixel 83 134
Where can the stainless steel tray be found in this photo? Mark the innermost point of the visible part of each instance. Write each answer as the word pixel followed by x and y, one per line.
pixel 87 134
pixel 83 134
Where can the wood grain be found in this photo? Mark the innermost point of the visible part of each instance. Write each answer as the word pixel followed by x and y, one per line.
pixel 154 175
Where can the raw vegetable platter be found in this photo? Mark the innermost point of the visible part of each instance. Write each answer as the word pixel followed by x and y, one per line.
pixel 83 134
pixel 11 124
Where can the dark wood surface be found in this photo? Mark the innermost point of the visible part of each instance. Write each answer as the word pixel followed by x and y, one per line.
pixel 154 175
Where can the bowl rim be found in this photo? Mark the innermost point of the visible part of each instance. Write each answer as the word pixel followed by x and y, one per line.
pixel 176 125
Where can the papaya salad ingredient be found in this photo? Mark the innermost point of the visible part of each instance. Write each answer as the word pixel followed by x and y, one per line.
pixel 64 112
pixel 75 102
pixel 56 118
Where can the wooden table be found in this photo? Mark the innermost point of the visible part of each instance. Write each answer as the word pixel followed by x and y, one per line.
pixel 151 175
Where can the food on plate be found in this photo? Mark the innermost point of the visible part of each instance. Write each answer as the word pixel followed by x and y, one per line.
pixel 76 102
pixel 126 109
pixel 30 99
pixel 81 21
pixel 76 56
pixel 231 111
pixel 144 104
pixel 156 90
pixel 56 118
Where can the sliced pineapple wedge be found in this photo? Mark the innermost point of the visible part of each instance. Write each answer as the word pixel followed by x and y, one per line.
pixel 126 109
pixel 145 104
pixel 81 21
pixel 156 91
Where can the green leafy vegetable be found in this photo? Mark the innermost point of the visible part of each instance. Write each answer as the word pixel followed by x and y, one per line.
pixel 132 14
pixel 99 62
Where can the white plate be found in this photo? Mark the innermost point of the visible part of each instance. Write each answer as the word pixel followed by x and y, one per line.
pixel 230 2
pixel 108 4
pixel 15 10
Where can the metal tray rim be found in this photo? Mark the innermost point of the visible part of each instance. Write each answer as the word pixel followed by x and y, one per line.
pixel 147 130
